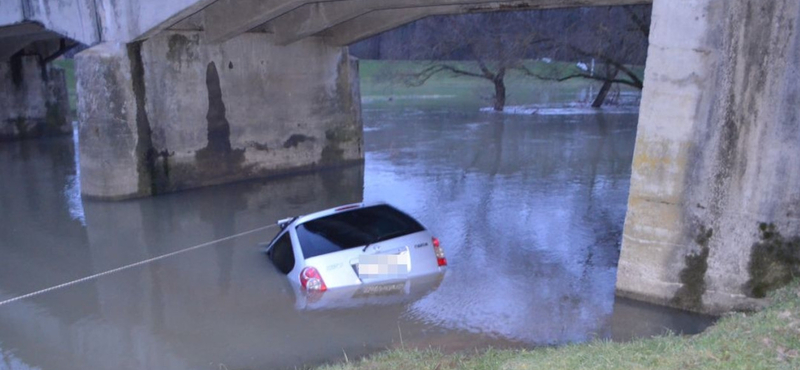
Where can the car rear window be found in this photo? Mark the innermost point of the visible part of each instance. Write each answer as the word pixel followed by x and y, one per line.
pixel 282 254
pixel 354 228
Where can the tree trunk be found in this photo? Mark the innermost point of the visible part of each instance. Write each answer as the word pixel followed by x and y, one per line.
pixel 601 96
pixel 499 94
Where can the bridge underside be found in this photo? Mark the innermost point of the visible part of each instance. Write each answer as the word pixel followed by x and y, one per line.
pixel 38 29
pixel 33 96
pixel 343 22
pixel 236 90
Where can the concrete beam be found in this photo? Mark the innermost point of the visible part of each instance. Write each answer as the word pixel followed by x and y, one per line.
pixel 20 30
pixel 14 38
pixel 376 22
pixel 317 17
pixel 384 15
pixel 74 19
pixel 94 21
pixel 226 19
pixel 128 21
pixel 11 46
pixel 158 24
pixel 11 12
pixel 314 18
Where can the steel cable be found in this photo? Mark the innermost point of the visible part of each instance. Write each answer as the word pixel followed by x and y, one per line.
pixel 132 265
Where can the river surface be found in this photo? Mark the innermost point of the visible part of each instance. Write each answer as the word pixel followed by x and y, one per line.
pixel 529 209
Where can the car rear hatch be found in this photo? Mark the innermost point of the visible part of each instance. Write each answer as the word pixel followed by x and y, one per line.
pixel 366 245
pixel 393 259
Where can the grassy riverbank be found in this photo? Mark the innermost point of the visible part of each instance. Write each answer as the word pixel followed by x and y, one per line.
pixel 379 82
pixel 769 339
pixel 68 65
pixel 382 80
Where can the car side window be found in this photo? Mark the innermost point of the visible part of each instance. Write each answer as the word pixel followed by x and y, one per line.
pixel 282 254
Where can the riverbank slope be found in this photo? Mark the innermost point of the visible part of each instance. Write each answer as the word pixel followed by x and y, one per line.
pixel 769 339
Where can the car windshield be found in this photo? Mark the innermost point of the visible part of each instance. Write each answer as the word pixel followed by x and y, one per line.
pixel 354 228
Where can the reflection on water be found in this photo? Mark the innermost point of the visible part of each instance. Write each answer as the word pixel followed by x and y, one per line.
pixel 72 191
pixel 529 209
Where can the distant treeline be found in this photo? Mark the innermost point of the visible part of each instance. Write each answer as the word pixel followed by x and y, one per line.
pixel 558 34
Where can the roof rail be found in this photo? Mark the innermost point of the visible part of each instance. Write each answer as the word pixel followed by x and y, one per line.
pixel 286 221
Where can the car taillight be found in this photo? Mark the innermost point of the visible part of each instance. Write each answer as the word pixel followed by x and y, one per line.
pixel 440 259
pixel 311 280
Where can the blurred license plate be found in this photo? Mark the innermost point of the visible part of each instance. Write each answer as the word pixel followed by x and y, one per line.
pixel 380 290
pixel 383 265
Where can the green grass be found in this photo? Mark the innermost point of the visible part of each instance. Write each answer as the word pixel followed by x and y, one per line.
pixel 379 79
pixel 68 65
pixel 769 339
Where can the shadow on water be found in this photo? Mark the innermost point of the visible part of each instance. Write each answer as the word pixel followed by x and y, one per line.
pixel 529 210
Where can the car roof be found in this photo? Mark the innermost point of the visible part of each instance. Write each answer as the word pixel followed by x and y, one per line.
pixel 343 208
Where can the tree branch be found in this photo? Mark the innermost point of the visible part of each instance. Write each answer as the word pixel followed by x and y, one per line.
pixel 419 78
pixel 487 74
pixel 639 22
pixel 461 71
pixel 636 81
pixel 530 73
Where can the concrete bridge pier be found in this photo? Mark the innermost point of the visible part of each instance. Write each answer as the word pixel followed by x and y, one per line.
pixel 33 93
pixel 176 111
pixel 33 98
pixel 714 206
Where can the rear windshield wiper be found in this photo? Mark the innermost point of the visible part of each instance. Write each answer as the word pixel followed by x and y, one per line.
pixel 383 237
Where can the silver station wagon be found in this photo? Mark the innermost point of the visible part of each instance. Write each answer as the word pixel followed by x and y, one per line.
pixel 357 245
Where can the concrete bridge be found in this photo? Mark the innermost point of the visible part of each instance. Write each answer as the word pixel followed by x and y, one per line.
pixel 184 93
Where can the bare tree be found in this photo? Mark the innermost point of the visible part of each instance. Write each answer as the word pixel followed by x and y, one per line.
pixel 616 38
pixel 492 42
pixel 489 46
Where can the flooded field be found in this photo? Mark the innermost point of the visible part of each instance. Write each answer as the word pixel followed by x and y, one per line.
pixel 529 209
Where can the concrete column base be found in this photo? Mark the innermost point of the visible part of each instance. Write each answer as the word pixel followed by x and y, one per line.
pixel 713 200
pixel 174 112
pixel 111 152
pixel 33 99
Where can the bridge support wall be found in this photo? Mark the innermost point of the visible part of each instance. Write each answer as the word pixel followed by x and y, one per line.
pixel 33 99
pixel 714 191
pixel 174 112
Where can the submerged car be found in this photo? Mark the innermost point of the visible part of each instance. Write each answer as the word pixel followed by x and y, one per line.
pixel 394 292
pixel 354 245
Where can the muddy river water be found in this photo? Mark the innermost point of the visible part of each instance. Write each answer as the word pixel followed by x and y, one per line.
pixel 529 209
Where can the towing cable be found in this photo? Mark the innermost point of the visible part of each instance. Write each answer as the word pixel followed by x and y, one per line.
pixel 132 265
